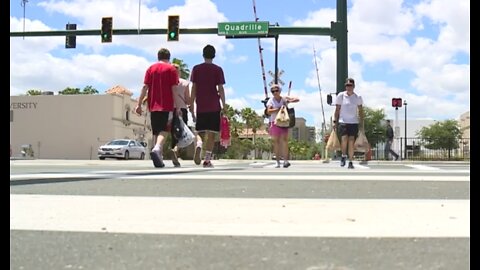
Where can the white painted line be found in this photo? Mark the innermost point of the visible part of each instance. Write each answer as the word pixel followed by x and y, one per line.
pixel 360 166
pixel 56 176
pixel 302 177
pixel 249 176
pixel 422 167
pixel 242 217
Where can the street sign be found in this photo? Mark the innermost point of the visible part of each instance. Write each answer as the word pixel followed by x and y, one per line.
pixel 242 28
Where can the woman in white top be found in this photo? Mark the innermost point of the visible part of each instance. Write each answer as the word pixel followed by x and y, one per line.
pixel 278 134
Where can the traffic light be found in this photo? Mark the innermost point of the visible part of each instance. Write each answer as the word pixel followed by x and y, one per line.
pixel 329 99
pixel 397 102
pixel 70 40
pixel 173 27
pixel 107 29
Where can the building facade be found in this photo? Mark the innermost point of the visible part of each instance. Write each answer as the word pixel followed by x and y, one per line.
pixel 73 126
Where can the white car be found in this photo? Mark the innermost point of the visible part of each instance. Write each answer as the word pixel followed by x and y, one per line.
pixel 122 149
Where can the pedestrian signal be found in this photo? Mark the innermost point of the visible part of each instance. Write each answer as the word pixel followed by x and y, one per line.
pixel 396 102
pixel 329 99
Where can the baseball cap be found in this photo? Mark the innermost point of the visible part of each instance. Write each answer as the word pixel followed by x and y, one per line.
pixel 349 81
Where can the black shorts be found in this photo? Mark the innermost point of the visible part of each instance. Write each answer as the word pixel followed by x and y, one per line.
pixel 208 121
pixel 348 129
pixel 159 122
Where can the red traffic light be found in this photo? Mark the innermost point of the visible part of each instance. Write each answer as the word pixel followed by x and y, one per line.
pixel 397 102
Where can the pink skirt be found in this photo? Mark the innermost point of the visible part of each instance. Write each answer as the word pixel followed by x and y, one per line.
pixel 277 131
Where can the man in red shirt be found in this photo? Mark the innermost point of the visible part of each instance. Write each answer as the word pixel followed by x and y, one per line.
pixel 160 78
pixel 207 92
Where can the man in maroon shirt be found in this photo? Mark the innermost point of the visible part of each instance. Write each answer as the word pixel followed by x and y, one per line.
pixel 160 78
pixel 207 92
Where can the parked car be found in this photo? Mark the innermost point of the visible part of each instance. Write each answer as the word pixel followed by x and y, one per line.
pixel 122 149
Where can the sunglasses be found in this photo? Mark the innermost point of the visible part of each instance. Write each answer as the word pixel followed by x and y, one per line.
pixel 273 91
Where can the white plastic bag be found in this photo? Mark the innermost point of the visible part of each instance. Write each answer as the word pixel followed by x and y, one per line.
pixel 187 136
pixel 361 143
pixel 282 119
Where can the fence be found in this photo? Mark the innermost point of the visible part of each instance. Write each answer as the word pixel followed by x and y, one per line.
pixel 415 150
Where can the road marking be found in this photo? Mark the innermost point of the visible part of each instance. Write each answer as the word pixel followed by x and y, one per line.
pixel 249 176
pixel 154 174
pixel 423 167
pixel 302 177
pixel 242 217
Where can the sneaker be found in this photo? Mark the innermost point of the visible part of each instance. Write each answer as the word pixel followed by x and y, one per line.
pixel 157 160
pixel 350 165
pixel 207 164
pixel 175 159
pixel 396 158
pixel 286 164
pixel 196 155
pixel 342 161
pixel 278 165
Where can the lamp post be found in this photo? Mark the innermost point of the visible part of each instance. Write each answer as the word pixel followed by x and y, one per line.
pixel 405 104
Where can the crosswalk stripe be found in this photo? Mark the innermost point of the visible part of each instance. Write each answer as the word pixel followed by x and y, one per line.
pixel 249 176
pixel 307 177
pixel 422 167
pixel 242 216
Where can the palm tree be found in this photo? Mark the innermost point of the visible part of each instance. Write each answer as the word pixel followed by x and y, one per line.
pixel 253 120
pixel 184 71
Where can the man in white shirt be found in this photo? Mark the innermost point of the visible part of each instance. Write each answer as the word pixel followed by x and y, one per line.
pixel 348 115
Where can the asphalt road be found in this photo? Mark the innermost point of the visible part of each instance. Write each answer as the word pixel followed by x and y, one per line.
pixel 113 214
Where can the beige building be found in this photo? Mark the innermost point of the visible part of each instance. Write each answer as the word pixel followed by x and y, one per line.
pixel 464 123
pixel 74 126
pixel 300 132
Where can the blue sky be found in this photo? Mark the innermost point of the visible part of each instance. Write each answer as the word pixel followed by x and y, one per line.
pixel 416 50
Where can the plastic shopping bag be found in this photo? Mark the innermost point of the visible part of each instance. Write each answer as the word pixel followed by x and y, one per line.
pixel 187 135
pixel 361 143
pixel 333 144
pixel 282 119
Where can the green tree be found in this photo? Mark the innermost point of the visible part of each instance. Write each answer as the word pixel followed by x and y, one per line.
pixel 184 71
pixel 264 145
pixel 374 125
pixel 253 121
pixel 444 135
pixel 33 92
pixel 235 125
pixel 88 90
pixel 70 91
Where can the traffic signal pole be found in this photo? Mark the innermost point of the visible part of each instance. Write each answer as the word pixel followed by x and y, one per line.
pixel 342 44
pixel 337 32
